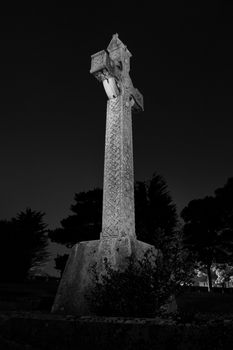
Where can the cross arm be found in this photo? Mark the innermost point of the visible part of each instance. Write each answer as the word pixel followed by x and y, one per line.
pixel 103 67
pixel 115 76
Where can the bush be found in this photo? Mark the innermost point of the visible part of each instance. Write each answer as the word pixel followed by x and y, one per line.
pixel 138 290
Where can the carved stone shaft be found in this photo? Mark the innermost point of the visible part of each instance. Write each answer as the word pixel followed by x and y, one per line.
pixel 118 199
pixel 111 67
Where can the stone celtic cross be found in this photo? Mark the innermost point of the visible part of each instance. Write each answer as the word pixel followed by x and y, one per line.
pixel 111 67
pixel 117 239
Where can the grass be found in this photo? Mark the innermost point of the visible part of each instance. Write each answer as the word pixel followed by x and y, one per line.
pixel 28 295
pixel 204 302
pixel 210 316
pixel 33 294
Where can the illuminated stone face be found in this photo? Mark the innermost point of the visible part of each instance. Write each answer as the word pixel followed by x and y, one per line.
pixel 118 199
pixel 112 66
pixel 110 87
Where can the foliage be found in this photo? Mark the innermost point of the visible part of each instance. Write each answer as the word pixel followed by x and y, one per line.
pixel 208 228
pixel 224 198
pixel 24 243
pixel 224 273
pixel 156 224
pixel 85 223
pixel 135 291
pixel 178 264
pixel 221 274
pixel 155 212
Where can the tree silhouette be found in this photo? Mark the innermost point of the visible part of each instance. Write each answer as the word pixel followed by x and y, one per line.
pixel 156 222
pixel 23 245
pixel 155 212
pixel 224 197
pixel 208 229
pixel 85 223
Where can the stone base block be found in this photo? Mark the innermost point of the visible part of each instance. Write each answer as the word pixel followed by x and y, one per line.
pixel 76 279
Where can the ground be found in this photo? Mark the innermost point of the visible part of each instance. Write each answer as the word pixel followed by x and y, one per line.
pixel 26 323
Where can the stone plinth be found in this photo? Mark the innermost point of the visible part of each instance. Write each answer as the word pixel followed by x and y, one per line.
pixel 76 279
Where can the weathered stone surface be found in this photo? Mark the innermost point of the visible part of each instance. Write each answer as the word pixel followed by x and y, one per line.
pixel 77 277
pixel 118 224
pixel 117 239
pixel 118 198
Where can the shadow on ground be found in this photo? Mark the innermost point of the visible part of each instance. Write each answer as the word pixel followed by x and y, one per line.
pixel 205 321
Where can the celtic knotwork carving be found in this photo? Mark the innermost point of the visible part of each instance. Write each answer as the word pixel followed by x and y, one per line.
pixel 118 223
pixel 118 206
pixel 112 171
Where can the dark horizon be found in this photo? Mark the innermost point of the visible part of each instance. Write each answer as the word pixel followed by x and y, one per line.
pixel 53 110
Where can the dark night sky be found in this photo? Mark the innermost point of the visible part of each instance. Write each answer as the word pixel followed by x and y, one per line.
pixel 53 111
